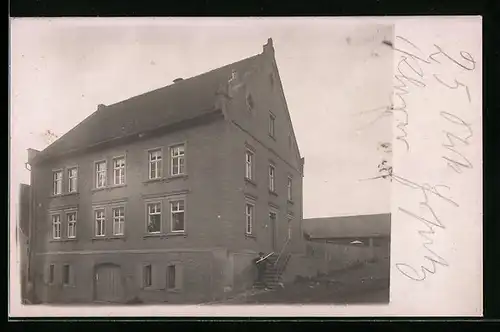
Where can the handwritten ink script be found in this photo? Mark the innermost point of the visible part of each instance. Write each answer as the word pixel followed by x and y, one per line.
pixel 416 70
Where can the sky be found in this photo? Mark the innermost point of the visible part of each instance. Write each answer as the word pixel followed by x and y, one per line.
pixel 333 71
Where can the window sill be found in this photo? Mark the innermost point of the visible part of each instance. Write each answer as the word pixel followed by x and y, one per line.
pixel 174 290
pixel 290 202
pixel 69 286
pixel 110 187
pixel 274 193
pixel 164 235
pixel 250 181
pixel 63 240
pixel 108 238
pixel 272 137
pixel 250 236
pixel 65 194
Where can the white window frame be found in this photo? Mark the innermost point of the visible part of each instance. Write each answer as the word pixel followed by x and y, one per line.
pixel 57 183
pixel 149 214
pixel 71 224
pixel 118 220
pixel 249 217
pixel 100 228
pixel 177 211
pixel 155 163
pixel 290 188
pixel 272 124
pixel 272 178
pixel 72 187
pixel 180 157
pixel 249 164
pixel 97 172
pixel 121 170
pixel 56 226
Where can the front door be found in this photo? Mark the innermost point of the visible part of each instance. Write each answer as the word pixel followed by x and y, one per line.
pixel 108 283
pixel 272 224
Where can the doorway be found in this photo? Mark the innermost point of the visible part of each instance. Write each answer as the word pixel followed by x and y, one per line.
pixel 108 283
pixel 272 224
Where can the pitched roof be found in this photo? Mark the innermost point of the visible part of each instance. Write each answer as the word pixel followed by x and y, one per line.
pixel 184 100
pixel 372 225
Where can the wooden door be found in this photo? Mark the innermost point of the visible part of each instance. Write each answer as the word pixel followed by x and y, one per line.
pixel 108 283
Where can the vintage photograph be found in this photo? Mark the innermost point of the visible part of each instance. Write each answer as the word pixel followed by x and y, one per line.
pixel 201 161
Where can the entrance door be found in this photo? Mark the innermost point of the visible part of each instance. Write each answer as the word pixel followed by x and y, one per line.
pixel 272 224
pixel 108 283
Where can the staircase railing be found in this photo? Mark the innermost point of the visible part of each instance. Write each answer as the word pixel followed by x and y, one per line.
pixel 281 252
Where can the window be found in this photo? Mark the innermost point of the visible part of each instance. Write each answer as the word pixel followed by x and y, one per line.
pixel 272 171
pixel 272 119
pixel 155 159
pixel 171 277
pixel 249 165
pixel 119 170
pixel 57 177
pixel 66 274
pixel 71 225
pixel 289 188
pixel 249 218
pixel 147 275
pixel 100 174
pixel 177 209
pixel 56 226
pixel 178 160
pixel 51 273
pixel 72 179
pixel 154 218
pixel 250 103
pixel 100 223
pixel 118 220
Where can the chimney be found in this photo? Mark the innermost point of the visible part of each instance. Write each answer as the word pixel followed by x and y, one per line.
pixel 32 153
pixel 100 106
pixel 178 79
pixel 268 48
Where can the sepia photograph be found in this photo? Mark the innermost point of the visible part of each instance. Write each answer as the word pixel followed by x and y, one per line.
pixel 235 166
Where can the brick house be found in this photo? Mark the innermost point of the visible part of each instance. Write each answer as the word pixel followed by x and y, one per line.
pixel 168 196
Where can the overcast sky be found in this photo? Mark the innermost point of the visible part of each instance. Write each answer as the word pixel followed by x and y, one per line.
pixel 331 69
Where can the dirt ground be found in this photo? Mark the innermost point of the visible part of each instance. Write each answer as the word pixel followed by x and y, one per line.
pixel 364 284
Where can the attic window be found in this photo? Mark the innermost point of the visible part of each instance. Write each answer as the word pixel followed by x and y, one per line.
pixel 250 103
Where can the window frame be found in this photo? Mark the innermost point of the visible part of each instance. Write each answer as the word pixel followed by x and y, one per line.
pixel 251 215
pixel 74 222
pixel 178 158
pixel 70 178
pixel 172 212
pixel 272 178
pixel 168 276
pixel 272 125
pixel 103 228
pixel 60 181
pixel 53 224
pixel 249 165
pixel 97 172
pixel 289 188
pixel 121 220
pixel 121 168
pixel 66 282
pixel 147 282
pixel 157 162
pixel 148 214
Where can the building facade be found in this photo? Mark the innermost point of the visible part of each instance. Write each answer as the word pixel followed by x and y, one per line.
pixel 168 196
